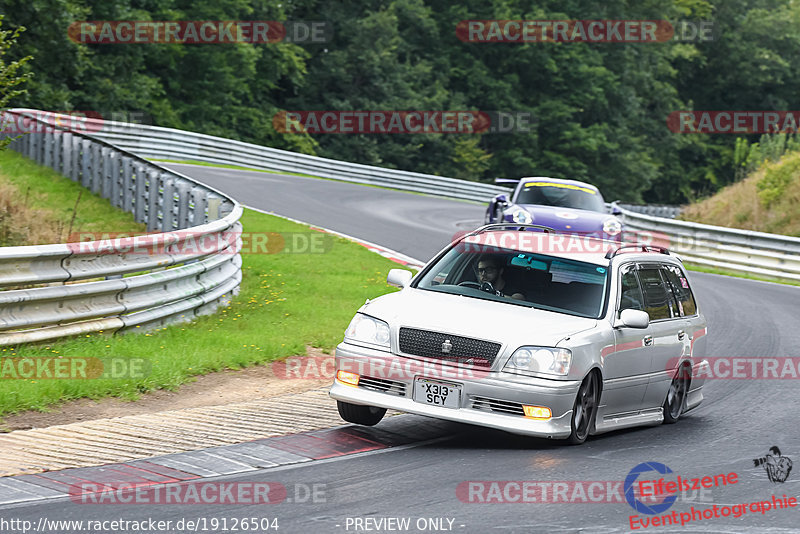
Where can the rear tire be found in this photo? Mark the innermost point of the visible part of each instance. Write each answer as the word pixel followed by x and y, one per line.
pixel 360 415
pixel 675 403
pixel 584 412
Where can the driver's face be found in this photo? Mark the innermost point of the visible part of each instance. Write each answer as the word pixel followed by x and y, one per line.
pixel 488 272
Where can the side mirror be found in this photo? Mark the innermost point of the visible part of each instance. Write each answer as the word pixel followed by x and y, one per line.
pixel 495 209
pixel 615 209
pixel 399 278
pixel 633 319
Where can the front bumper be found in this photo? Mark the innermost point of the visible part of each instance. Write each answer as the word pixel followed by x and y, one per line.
pixel 507 388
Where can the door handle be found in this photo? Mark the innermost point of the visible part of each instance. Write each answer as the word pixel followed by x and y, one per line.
pixel 681 334
pixel 648 340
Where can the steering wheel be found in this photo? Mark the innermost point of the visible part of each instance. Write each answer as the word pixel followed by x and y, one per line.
pixel 486 286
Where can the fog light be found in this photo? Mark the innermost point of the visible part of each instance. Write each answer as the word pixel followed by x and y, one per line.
pixel 537 412
pixel 346 377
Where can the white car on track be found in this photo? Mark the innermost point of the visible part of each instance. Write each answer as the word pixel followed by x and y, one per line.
pixel 533 333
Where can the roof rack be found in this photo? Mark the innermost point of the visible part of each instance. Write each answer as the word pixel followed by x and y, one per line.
pixel 512 226
pixel 642 246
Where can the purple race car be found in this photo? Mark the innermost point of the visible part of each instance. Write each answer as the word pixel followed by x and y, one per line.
pixel 567 206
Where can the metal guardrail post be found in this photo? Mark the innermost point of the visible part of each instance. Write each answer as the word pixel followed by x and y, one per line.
pixel 153 184
pixel 200 203
pixel 66 154
pixel 168 222
pixel 36 145
pixel 110 176
pixel 126 185
pixel 55 146
pixel 184 191
pixel 139 193
pixel 86 163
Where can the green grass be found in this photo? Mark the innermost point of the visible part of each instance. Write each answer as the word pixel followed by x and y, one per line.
pixel 737 274
pixel 287 301
pixel 41 188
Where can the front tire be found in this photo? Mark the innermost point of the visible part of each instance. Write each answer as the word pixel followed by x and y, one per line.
pixel 584 412
pixel 360 415
pixel 675 403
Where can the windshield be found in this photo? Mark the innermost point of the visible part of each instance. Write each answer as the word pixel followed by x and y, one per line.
pixel 561 195
pixel 521 278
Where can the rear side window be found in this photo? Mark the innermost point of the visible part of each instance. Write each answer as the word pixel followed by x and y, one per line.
pixel 630 292
pixel 680 288
pixel 657 301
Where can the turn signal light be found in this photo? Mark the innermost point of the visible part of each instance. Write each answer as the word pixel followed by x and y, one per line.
pixel 346 377
pixel 537 412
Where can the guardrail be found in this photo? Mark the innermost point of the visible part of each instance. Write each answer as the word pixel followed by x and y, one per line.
pixel 742 251
pixel 166 143
pixel 189 268
pixel 667 212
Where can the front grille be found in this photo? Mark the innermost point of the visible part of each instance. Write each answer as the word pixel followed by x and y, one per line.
pixel 462 349
pixel 389 387
pixel 494 405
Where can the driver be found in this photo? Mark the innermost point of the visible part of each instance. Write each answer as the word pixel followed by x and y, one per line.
pixel 490 270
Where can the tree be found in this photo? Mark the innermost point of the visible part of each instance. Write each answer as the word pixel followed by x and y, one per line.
pixel 10 78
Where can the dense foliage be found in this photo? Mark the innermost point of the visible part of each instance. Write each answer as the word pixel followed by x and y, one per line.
pixel 601 109
pixel 11 81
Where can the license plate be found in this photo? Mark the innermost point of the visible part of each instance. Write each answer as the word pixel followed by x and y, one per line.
pixel 437 393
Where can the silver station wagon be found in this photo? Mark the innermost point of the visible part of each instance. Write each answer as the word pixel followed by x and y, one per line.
pixel 517 328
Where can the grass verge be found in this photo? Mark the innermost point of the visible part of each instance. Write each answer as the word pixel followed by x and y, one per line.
pixel 41 204
pixel 765 201
pixel 287 301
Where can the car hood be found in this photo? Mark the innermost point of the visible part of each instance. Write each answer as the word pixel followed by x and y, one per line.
pixel 509 324
pixel 559 217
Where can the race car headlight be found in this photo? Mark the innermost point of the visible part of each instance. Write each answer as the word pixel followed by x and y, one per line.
pixel 545 360
pixel 612 226
pixel 521 216
pixel 366 329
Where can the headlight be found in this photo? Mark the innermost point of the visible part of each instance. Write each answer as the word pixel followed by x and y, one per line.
pixel 521 216
pixel 545 360
pixel 366 329
pixel 612 226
